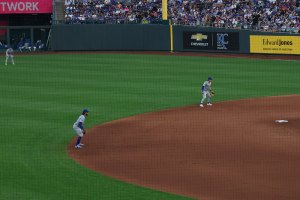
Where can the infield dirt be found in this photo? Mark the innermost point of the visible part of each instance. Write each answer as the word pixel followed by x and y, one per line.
pixel 231 150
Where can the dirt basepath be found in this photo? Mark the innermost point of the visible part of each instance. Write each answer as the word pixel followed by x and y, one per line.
pixel 233 150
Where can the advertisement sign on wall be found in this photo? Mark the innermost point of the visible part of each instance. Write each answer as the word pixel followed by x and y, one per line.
pixel 274 44
pixel 25 6
pixel 224 41
pixel 195 40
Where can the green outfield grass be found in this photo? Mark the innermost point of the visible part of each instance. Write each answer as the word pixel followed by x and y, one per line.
pixel 42 96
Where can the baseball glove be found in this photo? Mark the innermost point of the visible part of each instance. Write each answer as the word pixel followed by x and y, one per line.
pixel 83 131
pixel 212 93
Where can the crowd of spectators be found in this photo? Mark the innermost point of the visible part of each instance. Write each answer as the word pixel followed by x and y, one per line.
pixel 262 15
pixel 112 11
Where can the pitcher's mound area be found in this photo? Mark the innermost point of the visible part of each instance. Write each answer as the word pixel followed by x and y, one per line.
pixel 232 150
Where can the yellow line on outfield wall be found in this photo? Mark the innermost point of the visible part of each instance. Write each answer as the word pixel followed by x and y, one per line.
pixel 164 9
pixel 171 37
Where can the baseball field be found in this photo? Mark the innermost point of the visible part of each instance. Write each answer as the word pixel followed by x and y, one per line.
pixel 43 95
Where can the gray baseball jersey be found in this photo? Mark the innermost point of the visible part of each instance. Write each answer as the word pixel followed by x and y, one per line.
pixel 206 86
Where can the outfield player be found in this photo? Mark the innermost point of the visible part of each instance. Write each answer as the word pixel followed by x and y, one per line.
pixel 9 54
pixel 78 128
pixel 206 89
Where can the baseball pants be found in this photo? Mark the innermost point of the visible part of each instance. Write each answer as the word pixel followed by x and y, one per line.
pixel 78 131
pixel 206 94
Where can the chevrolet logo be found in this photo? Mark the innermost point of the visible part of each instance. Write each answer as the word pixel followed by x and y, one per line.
pixel 199 37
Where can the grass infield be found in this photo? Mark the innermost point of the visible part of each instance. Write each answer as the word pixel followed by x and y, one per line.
pixel 42 96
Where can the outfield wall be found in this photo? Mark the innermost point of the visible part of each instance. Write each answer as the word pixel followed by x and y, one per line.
pixel 137 37
pixel 110 37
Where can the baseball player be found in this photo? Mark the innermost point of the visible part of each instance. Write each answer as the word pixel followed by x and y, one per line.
pixel 206 92
pixel 78 128
pixel 9 54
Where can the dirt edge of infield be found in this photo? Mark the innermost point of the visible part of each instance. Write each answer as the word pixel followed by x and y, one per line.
pixel 231 150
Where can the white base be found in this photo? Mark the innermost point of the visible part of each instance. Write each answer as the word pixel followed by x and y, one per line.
pixel 281 121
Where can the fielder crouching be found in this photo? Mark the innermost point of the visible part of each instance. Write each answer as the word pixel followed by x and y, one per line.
pixel 206 92
pixel 9 55
pixel 78 128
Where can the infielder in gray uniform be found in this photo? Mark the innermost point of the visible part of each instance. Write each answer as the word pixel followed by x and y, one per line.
pixel 206 92
pixel 78 128
pixel 9 54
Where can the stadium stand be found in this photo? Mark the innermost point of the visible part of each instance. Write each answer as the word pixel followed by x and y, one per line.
pixel 260 15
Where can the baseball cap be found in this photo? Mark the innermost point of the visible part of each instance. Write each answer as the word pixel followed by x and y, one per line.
pixel 85 110
pixel 209 78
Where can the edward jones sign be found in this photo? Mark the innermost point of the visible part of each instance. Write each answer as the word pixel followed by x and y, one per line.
pixel 25 6
pixel 275 44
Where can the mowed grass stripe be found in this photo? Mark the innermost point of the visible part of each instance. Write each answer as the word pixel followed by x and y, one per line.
pixel 42 95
